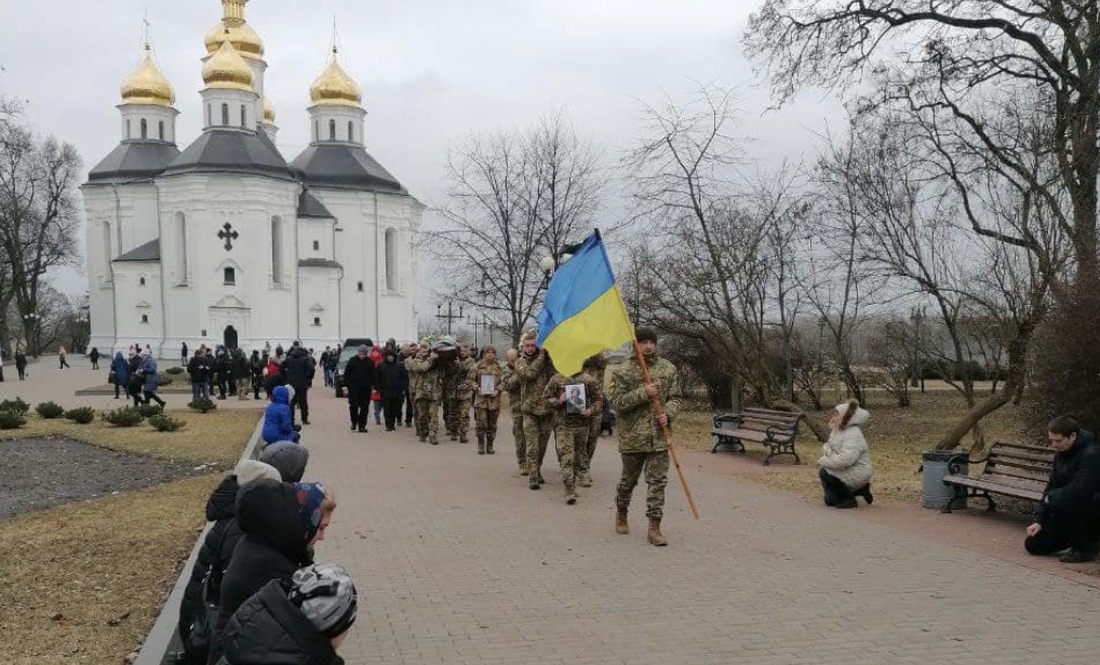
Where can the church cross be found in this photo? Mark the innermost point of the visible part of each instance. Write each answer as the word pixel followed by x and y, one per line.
pixel 228 235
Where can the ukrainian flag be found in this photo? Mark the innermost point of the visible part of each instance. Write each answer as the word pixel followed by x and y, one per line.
pixel 583 312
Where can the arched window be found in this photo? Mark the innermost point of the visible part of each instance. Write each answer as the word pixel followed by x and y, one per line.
pixel 142 281
pixel 316 245
pixel 145 318
pixel 360 287
pixel 351 131
pixel 391 259
pixel 144 129
pixel 244 117
pixel 181 247
pixel 161 130
pixel 225 114
pixel 331 130
pixel 276 250
pixel 316 320
pixel 230 277
pixel 129 133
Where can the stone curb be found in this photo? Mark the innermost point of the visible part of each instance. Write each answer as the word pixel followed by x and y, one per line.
pixel 163 632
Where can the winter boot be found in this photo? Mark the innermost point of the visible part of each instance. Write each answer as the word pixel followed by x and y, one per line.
pixel 585 479
pixel 570 495
pixel 865 492
pixel 533 482
pixel 489 445
pixel 622 527
pixel 655 537
pixel 354 425
pixel 480 444
pixel 462 438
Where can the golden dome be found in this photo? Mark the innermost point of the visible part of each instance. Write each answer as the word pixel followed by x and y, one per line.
pixel 233 29
pixel 334 87
pixel 269 112
pixel 146 85
pixel 226 69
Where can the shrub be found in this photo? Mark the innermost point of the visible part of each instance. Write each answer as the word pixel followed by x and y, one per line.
pixel 125 416
pixel 12 419
pixel 165 423
pixel 149 410
pixel 81 416
pixel 174 371
pixel 202 405
pixel 163 380
pixel 50 410
pixel 17 405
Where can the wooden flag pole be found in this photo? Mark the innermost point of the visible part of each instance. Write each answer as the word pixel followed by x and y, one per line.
pixel 659 410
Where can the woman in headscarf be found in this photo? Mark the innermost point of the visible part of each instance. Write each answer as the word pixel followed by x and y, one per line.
pixel 845 463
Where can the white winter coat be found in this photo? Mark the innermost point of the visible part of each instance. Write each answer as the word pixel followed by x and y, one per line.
pixel 845 454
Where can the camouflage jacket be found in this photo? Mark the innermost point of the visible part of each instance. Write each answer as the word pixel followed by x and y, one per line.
pixel 454 378
pixel 557 386
pixel 638 430
pixel 490 402
pixel 430 381
pixel 414 366
pixel 511 383
pixel 533 374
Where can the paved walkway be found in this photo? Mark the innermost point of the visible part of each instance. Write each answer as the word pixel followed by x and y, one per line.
pixel 458 562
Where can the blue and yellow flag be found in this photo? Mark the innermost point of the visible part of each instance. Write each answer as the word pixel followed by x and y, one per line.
pixel 583 312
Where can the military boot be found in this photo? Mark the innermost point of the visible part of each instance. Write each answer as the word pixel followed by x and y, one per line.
pixel 533 482
pixel 480 444
pixel 585 479
pixel 489 444
pixel 622 527
pixel 655 537
pixel 570 495
pixel 523 469
pixel 462 438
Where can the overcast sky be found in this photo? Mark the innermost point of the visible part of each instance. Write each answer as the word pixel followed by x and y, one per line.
pixel 432 71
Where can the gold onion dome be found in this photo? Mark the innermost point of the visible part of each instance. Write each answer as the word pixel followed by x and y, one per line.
pixel 334 87
pixel 269 112
pixel 146 85
pixel 227 70
pixel 234 30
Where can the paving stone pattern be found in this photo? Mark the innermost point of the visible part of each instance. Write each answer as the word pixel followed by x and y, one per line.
pixel 458 562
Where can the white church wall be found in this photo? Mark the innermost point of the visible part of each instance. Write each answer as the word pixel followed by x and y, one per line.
pixel 140 314
pixel 320 306
pixel 99 239
pixel 315 238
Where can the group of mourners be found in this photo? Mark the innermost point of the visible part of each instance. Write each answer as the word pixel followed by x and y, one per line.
pixel 136 374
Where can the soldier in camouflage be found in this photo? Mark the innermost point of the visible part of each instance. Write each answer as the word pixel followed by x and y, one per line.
pixel 454 380
pixel 511 383
pixel 573 415
pixel 534 370
pixel 423 391
pixel 596 366
pixel 641 443
pixel 431 390
pixel 465 400
pixel 485 383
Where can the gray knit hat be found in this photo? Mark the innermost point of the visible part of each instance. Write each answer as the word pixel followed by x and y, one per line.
pixel 289 458
pixel 250 470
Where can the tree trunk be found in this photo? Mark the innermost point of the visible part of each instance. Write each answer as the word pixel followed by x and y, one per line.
pixel 820 430
pixel 972 417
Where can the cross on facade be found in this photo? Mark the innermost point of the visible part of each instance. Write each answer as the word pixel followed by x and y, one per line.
pixel 228 235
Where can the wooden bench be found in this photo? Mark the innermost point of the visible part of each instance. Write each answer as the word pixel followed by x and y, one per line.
pixel 775 429
pixel 1011 469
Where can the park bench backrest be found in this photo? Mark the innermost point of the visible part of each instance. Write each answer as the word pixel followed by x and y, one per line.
pixel 1018 465
pixel 761 420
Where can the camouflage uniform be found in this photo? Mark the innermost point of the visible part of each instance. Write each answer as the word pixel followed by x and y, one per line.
pixel 534 372
pixel 420 390
pixel 571 429
pixel 511 383
pixel 486 407
pixel 597 367
pixel 428 397
pixel 641 443
pixel 454 379
pixel 465 400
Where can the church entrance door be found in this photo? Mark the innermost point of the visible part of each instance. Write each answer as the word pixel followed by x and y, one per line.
pixel 230 337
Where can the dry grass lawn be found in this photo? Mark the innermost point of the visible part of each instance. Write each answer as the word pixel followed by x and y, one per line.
pixel 83 583
pixel 896 437
pixel 214 437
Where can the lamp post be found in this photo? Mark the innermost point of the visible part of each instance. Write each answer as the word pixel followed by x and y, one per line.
pixel 29 326
pixel 916 316
pixel 450 316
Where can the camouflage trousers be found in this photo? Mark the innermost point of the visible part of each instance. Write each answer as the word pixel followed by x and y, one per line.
pixel 430 414
pixel 464 407
pixel 425 412
pixel 536 434
pixel 587 449
pixel 485 421
pixel 517 434
pixel 450 415
pixel 656 477
pixel 570 443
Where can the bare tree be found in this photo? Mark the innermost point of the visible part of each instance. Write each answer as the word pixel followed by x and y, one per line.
pixel 890 348
pixel 38 211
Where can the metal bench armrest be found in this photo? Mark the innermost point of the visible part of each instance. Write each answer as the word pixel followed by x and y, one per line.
pixel 720 418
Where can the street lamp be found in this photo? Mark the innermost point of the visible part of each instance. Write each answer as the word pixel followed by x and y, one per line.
pixel 29 321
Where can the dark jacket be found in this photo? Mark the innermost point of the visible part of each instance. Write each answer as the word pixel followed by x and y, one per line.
pixel 199 369
pixel 359 376
pixel 240 366
pixel 216 551
pixel 278 420
pixel 119 366
pixel 299 368
pixel 1074 485
pixel 272 548
pixel 392 379
pixel 268 628
pixel 149 374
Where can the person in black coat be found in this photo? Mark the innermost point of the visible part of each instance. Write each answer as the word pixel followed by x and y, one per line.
pixel 302 621
pixel 221 371
pixel 299 369
pixel 199 370
pixel 359 380
pixel 94 357
pixel 1069 513
pixel 133 388
pixel 21 366
pixel 277 541
pixel 393 383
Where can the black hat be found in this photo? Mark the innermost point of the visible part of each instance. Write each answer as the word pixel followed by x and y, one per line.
pixel 645 334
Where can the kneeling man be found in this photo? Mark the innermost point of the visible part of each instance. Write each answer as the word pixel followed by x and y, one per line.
pixel 1069 515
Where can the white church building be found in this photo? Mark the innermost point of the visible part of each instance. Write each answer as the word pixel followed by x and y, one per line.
pixel 225 242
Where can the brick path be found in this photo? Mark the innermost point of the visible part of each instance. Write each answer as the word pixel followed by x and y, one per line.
pixel 458 562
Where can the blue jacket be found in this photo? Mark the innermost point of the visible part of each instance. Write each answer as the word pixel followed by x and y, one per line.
pixel 121 368
pixel 149 372
pixel 277 420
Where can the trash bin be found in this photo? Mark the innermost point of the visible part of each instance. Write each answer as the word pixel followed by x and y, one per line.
pixel 938 464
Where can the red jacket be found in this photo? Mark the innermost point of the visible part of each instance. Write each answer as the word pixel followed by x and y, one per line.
pixel 376 355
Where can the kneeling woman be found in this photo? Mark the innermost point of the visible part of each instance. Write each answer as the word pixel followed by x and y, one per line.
pixel 845 461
